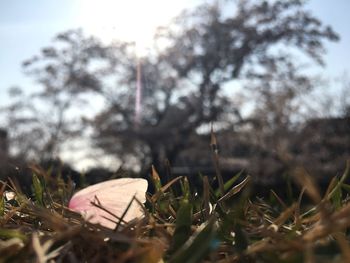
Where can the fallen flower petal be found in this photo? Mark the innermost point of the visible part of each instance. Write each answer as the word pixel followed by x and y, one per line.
pixel 114 196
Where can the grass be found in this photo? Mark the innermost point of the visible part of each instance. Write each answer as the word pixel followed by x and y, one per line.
pixel 181 225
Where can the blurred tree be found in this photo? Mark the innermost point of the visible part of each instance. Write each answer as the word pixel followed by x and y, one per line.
pixel 205 50
pixel 25 131
pixel 183 76
pixel 42 121
pixel 278 92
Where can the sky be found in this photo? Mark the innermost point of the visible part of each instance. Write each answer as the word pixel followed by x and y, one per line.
pixel 27 26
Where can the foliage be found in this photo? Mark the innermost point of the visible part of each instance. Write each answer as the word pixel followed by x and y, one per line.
pixel 183 77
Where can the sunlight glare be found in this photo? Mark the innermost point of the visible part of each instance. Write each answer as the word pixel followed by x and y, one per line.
pixel 132 20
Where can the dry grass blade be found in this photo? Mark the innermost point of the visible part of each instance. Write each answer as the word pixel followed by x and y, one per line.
pixel 10 247
pixel 50 218
pixel 338 221
pixel 307 183
pixel 297 216
pixel 344 246
pixel 334 185
pixel 215 153
pixel 236 189
pixel 164 188
pixel 282 203
pixel 41 251
pixel 2 188
pixel 283 217
pixel 309 254
pixel 271 232
pixel 206 198
pixel 156 179
pixel 120 219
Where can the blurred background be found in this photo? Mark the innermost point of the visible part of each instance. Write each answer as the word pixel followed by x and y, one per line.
pixel 92 86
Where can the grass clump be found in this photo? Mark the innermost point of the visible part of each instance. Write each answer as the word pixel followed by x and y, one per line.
pixel 180 224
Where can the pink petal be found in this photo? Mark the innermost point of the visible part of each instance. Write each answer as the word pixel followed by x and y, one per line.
pixel 114 195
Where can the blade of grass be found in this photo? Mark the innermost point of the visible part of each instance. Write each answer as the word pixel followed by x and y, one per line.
pixel 308 183
pixel 183 225
pixel 339 184
pixel 164 188
pixel 344 246
pixel 38 190
pixel 228 184
pixel 2 199
pixel 215 154
pixel 198 246
pixel 280 201
pixel 236 189
pixel 12 233
pixel 156 179
pixel 206 198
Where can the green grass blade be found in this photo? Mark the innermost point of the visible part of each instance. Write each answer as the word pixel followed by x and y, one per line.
pixel 156 179
pixel 2 205
pixel 228 184
pixel 340 182
pixel 183 225
pixel 38 190
pixel 198 246
pixel 337 198
pixel 236 189
pixel 11 233
pixel 215 155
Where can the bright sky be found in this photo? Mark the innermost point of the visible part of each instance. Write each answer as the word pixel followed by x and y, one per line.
pixel 27 26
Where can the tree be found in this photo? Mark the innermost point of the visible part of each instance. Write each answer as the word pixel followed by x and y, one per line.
pixel 183 76
pixel 278 92
pixel 43 121
pixel 205 50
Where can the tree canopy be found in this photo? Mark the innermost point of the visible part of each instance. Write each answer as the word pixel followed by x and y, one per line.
pixel 183 75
